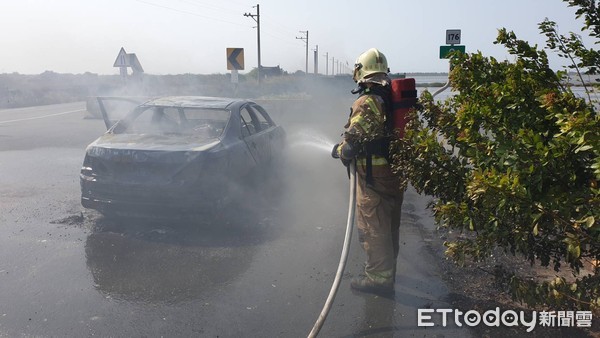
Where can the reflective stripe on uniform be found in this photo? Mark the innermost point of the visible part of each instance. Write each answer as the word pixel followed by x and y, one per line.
pixel 366 125
pixel 360 121
pixel 372 105
pixel 381 277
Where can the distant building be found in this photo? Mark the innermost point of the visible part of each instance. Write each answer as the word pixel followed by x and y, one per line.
pixel 270 71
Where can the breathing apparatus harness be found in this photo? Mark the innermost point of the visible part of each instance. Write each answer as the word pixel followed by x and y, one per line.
pixel 381 145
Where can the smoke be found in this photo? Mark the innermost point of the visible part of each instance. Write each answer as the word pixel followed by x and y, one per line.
pixel 315 185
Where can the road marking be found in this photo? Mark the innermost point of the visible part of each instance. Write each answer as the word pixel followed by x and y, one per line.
pixel 44 116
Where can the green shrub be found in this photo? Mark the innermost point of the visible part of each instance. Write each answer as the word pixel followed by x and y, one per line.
pixel 513 161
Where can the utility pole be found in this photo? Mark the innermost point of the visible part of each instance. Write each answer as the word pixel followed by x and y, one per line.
pixel 305 38
pixel 326 63
pixel 332 65
pixel 316 57
pixel 256 17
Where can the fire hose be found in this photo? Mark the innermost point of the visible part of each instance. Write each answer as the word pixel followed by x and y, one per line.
pixel 404 98
pixel 344 257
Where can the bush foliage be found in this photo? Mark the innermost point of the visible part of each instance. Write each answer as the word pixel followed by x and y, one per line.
pixel 513 160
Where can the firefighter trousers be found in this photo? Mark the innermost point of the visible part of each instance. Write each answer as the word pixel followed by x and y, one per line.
pixel 378 221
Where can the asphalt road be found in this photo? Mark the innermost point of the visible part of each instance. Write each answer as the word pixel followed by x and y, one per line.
pixel 262 271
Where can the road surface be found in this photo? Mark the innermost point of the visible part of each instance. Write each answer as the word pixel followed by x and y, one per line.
pixel 263 271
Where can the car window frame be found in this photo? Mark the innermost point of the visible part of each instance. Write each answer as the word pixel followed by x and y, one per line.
pixel 261 112
pixel 254 121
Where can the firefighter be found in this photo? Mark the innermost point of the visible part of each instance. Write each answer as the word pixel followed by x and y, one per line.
pixel 379 195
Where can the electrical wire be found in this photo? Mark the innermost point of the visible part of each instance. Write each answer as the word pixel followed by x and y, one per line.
pixel 189 13
pixel 223 10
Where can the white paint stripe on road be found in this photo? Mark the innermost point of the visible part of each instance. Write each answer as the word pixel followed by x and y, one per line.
pixel 44 116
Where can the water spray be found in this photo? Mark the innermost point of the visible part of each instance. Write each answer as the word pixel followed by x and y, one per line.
pixel 344 257
pixel 312 139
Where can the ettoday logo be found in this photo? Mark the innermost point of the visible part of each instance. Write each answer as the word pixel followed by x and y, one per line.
pixel 496 317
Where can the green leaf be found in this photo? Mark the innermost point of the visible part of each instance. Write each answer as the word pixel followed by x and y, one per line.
pixel 589 221
pixel 574 250
pixel 583 148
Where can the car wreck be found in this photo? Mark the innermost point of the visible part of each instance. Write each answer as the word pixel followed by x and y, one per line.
pixel 178 153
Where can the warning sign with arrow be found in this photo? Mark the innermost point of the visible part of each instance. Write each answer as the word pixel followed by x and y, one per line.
pixel 235 58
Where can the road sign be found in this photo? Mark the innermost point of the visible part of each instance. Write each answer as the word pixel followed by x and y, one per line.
pixel 446 50
pixel 453 36
pixel 125 60
pixel 235 58
pixel 122 59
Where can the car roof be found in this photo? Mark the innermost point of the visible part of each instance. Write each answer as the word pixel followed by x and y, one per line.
pixel 194 102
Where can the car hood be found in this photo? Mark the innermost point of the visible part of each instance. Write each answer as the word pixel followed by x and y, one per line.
pixel 140 159
pixel 154 142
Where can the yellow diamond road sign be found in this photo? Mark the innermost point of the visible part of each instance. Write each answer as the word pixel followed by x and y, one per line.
pixel 235 58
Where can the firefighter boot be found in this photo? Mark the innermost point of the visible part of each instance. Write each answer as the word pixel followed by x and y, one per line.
pixel 366 284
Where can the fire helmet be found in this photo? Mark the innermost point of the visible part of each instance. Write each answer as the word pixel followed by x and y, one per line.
pixel 369 63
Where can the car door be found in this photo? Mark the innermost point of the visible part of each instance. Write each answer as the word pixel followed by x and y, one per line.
pixel 254 136
pixel 275 133
pixel 115 108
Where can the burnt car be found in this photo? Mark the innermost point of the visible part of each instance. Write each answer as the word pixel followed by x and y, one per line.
pixel 178 153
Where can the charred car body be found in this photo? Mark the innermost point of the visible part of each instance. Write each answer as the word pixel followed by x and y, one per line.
pixel 178 153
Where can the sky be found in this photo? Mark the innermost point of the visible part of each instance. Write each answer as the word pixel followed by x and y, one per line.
pixel 191 36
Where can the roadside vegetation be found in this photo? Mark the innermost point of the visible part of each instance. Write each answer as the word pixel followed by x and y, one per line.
pixel 513 161
pixel 22 90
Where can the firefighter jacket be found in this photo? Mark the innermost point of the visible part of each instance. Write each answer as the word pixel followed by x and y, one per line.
pixel 366 132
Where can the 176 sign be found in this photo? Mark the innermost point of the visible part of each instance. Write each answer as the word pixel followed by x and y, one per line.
pixel 453 36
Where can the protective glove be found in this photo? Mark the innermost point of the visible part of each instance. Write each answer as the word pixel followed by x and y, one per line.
pixel 335 154
pixel 334 151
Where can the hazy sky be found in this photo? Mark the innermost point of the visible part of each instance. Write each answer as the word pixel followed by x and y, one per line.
pixel 191 36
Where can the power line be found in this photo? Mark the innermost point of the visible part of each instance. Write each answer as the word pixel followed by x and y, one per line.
pixel 269 19
pixel 212 7
pixel 239 4
pixel 189 13
pixel 281 38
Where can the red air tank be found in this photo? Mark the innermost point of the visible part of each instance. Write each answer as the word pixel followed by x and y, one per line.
pixel 404 97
